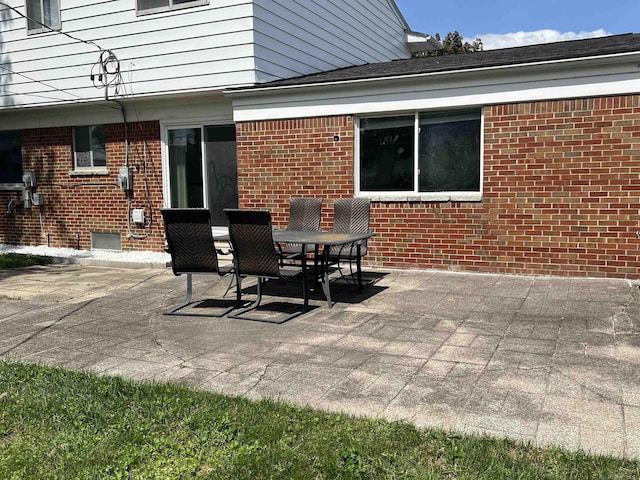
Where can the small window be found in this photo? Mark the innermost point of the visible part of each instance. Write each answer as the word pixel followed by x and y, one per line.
pixel 10 157
pixel 106 241
pixel 43 15
pixel 152 6
pixel 89 147
pixel 420 153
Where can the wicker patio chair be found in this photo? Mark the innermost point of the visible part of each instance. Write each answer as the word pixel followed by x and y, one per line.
pixel 190 244
pixel 350 215
pixel 304 215
pixel 255 255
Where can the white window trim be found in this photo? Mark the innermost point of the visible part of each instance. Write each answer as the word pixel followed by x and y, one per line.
pixel 101 169
pixel 149 11
pixel 415 196
pixel 40 28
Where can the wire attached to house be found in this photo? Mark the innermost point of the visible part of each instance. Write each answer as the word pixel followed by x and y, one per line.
pixel 11 208
pixel 106 73
pixel 40 82
pixel 110 57
pixel 68 35
pixel 127 146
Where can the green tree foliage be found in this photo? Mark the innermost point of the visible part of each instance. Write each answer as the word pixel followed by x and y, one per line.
pixel 453 43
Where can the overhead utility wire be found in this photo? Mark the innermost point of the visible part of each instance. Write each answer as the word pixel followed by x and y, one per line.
pixel 100 62
pixel 30 94
pixel 87 42
pixel 50 86
pixel 41 82
pixel 107 66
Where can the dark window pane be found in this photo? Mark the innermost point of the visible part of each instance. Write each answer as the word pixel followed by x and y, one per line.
pixel 98 146
pixel 10 157
pixel 89 147
pixel 386 154
pixel 222 170
pixel 223 133
pixel 185 165
pixel 34 14
pixel 81 139
pixel 149 4
pixel 51 13
pixel 449 147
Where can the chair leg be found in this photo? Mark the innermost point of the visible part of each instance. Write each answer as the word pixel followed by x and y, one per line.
pixel 305 282
pixel 359 266
pixel 353 277
pixel 251 306
pixel 242 313
pixel 231 283
pixel 188 301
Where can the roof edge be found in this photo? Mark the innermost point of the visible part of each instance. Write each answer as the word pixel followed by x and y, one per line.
pixel 399 14
pixel 262 89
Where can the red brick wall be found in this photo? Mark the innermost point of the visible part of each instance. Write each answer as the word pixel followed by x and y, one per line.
pixel 563 185
pixel 561 190
pixel 76 205
pixel 278 160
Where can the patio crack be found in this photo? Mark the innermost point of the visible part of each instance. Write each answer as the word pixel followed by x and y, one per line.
pixel 47 327
pixel 159 343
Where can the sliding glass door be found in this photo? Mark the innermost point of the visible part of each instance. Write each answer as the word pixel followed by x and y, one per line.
pixel 203 169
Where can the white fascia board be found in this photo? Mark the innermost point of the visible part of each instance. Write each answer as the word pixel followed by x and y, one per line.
pixel 212 107
pixel 590 77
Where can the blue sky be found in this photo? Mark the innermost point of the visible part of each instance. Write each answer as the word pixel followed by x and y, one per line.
pixel 505 23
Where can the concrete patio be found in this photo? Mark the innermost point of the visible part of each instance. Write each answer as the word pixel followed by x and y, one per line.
pixel 546 360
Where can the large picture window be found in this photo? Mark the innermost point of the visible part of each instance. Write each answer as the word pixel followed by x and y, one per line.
pixel 152 6
pixel 421 153
pixel 42 14
pixel 89 147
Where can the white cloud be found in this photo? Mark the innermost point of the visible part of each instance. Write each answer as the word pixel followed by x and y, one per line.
pixel 492 41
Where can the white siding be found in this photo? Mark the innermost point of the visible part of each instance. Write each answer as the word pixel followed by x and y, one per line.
pixel 193 49
pixel 228 43
pixel 295 38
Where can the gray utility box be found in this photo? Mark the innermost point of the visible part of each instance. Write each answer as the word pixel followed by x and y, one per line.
pixel 38 199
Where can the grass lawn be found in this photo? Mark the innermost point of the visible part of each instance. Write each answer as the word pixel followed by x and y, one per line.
pixel 17 260
pixel 70 425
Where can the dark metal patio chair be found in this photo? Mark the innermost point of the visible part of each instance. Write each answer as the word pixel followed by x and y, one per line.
pixel 350 215
pixel 255 255
pixel 304 215
pixel 190 243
